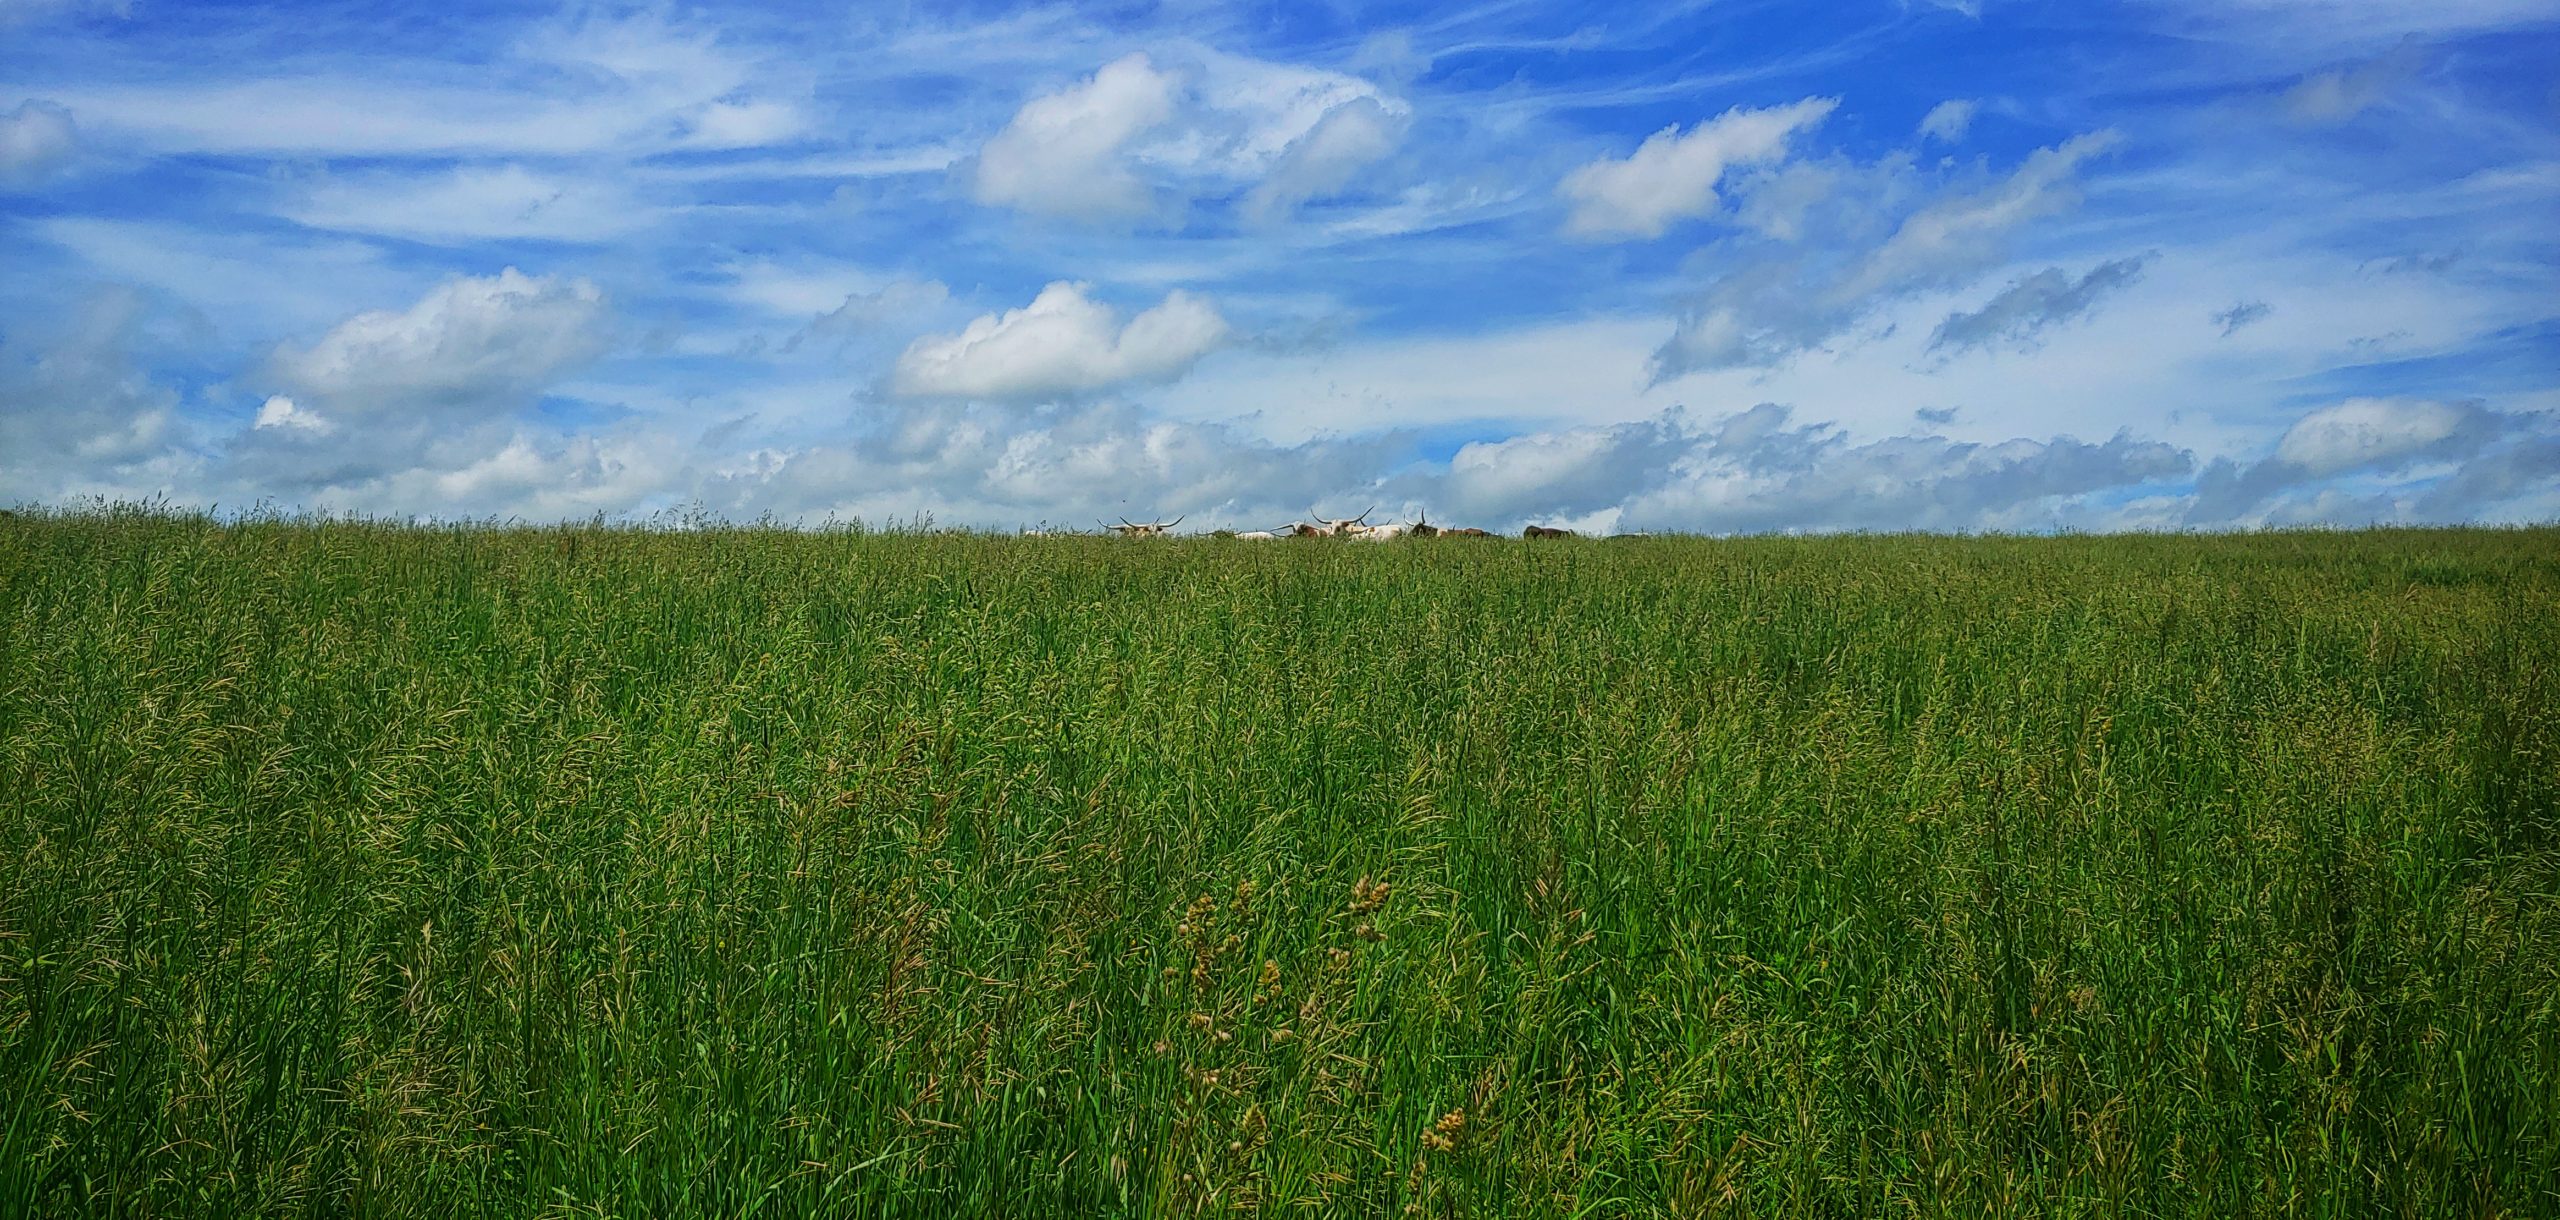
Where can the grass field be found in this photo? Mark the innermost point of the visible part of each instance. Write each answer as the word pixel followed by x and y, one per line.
pixel 357 869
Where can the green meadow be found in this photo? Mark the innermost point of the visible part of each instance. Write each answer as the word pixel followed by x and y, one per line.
pixel 380 870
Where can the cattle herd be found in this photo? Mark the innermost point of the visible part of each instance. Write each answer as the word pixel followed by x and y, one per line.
pixel 1357 528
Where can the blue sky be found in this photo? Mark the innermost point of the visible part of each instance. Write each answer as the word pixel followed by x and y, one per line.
pixel 1723 267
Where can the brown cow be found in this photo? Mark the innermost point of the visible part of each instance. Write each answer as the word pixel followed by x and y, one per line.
pixel 1544 531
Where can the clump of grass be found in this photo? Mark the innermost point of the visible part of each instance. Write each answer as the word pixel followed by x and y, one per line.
pixel 360 868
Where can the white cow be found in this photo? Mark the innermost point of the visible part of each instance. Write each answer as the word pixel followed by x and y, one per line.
pixel 1337 527
pixel 1152 529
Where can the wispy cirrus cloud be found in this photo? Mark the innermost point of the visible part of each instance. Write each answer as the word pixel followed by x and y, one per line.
pixel 2030 305
pixel 1777 299
pixel 36 140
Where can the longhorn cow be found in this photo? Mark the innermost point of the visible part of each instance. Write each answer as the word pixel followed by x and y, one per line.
pixel 1337 527
pixel 1152 529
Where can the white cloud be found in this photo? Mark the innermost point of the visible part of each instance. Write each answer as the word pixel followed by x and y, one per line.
pixel 1064 153
pixel 1001 466
pixel 547 478
pixel 1559 473
pixel 1746 471
pixel 724 125
pixel 473 345
pixel 473 203
pixel 36 139
pixel 1253 114
pixel 1949 121
pixel 1348 139
pixel 1956 236
pixel 2367 460
pixel 2363 432
pixel 1776 202
pixel 279 411
pixel 1063 343
pixel 229 273
pixel 78 412
pixel 1149 133
pixel 1759 470
pixel 1672 177
pixel 631 86
pixel 2339 94
pixel 2324 28
pixel 1829 271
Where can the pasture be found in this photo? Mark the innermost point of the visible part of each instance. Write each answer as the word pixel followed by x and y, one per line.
pixel 354 869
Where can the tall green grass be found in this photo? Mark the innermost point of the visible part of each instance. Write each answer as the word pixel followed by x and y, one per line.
pixel 360 869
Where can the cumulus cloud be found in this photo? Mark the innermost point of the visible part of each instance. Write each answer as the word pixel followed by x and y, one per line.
pixel 1569 473
pixel 1146 135
pixel 2364 432
pixel 1947 122
pixel 1750 471
pixel 2517 482
pixel 1761 471
pixel 1064 153
pixel 36 140
pixel 474 345
pixel 78 411
pixel 1672 176
pixel 1348 139
pixel 1067 462
pixel 2034 304
pixel 2367 438
pixel 1063 343
pixel 1830 268
pixel 279 411
pixel 470 469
